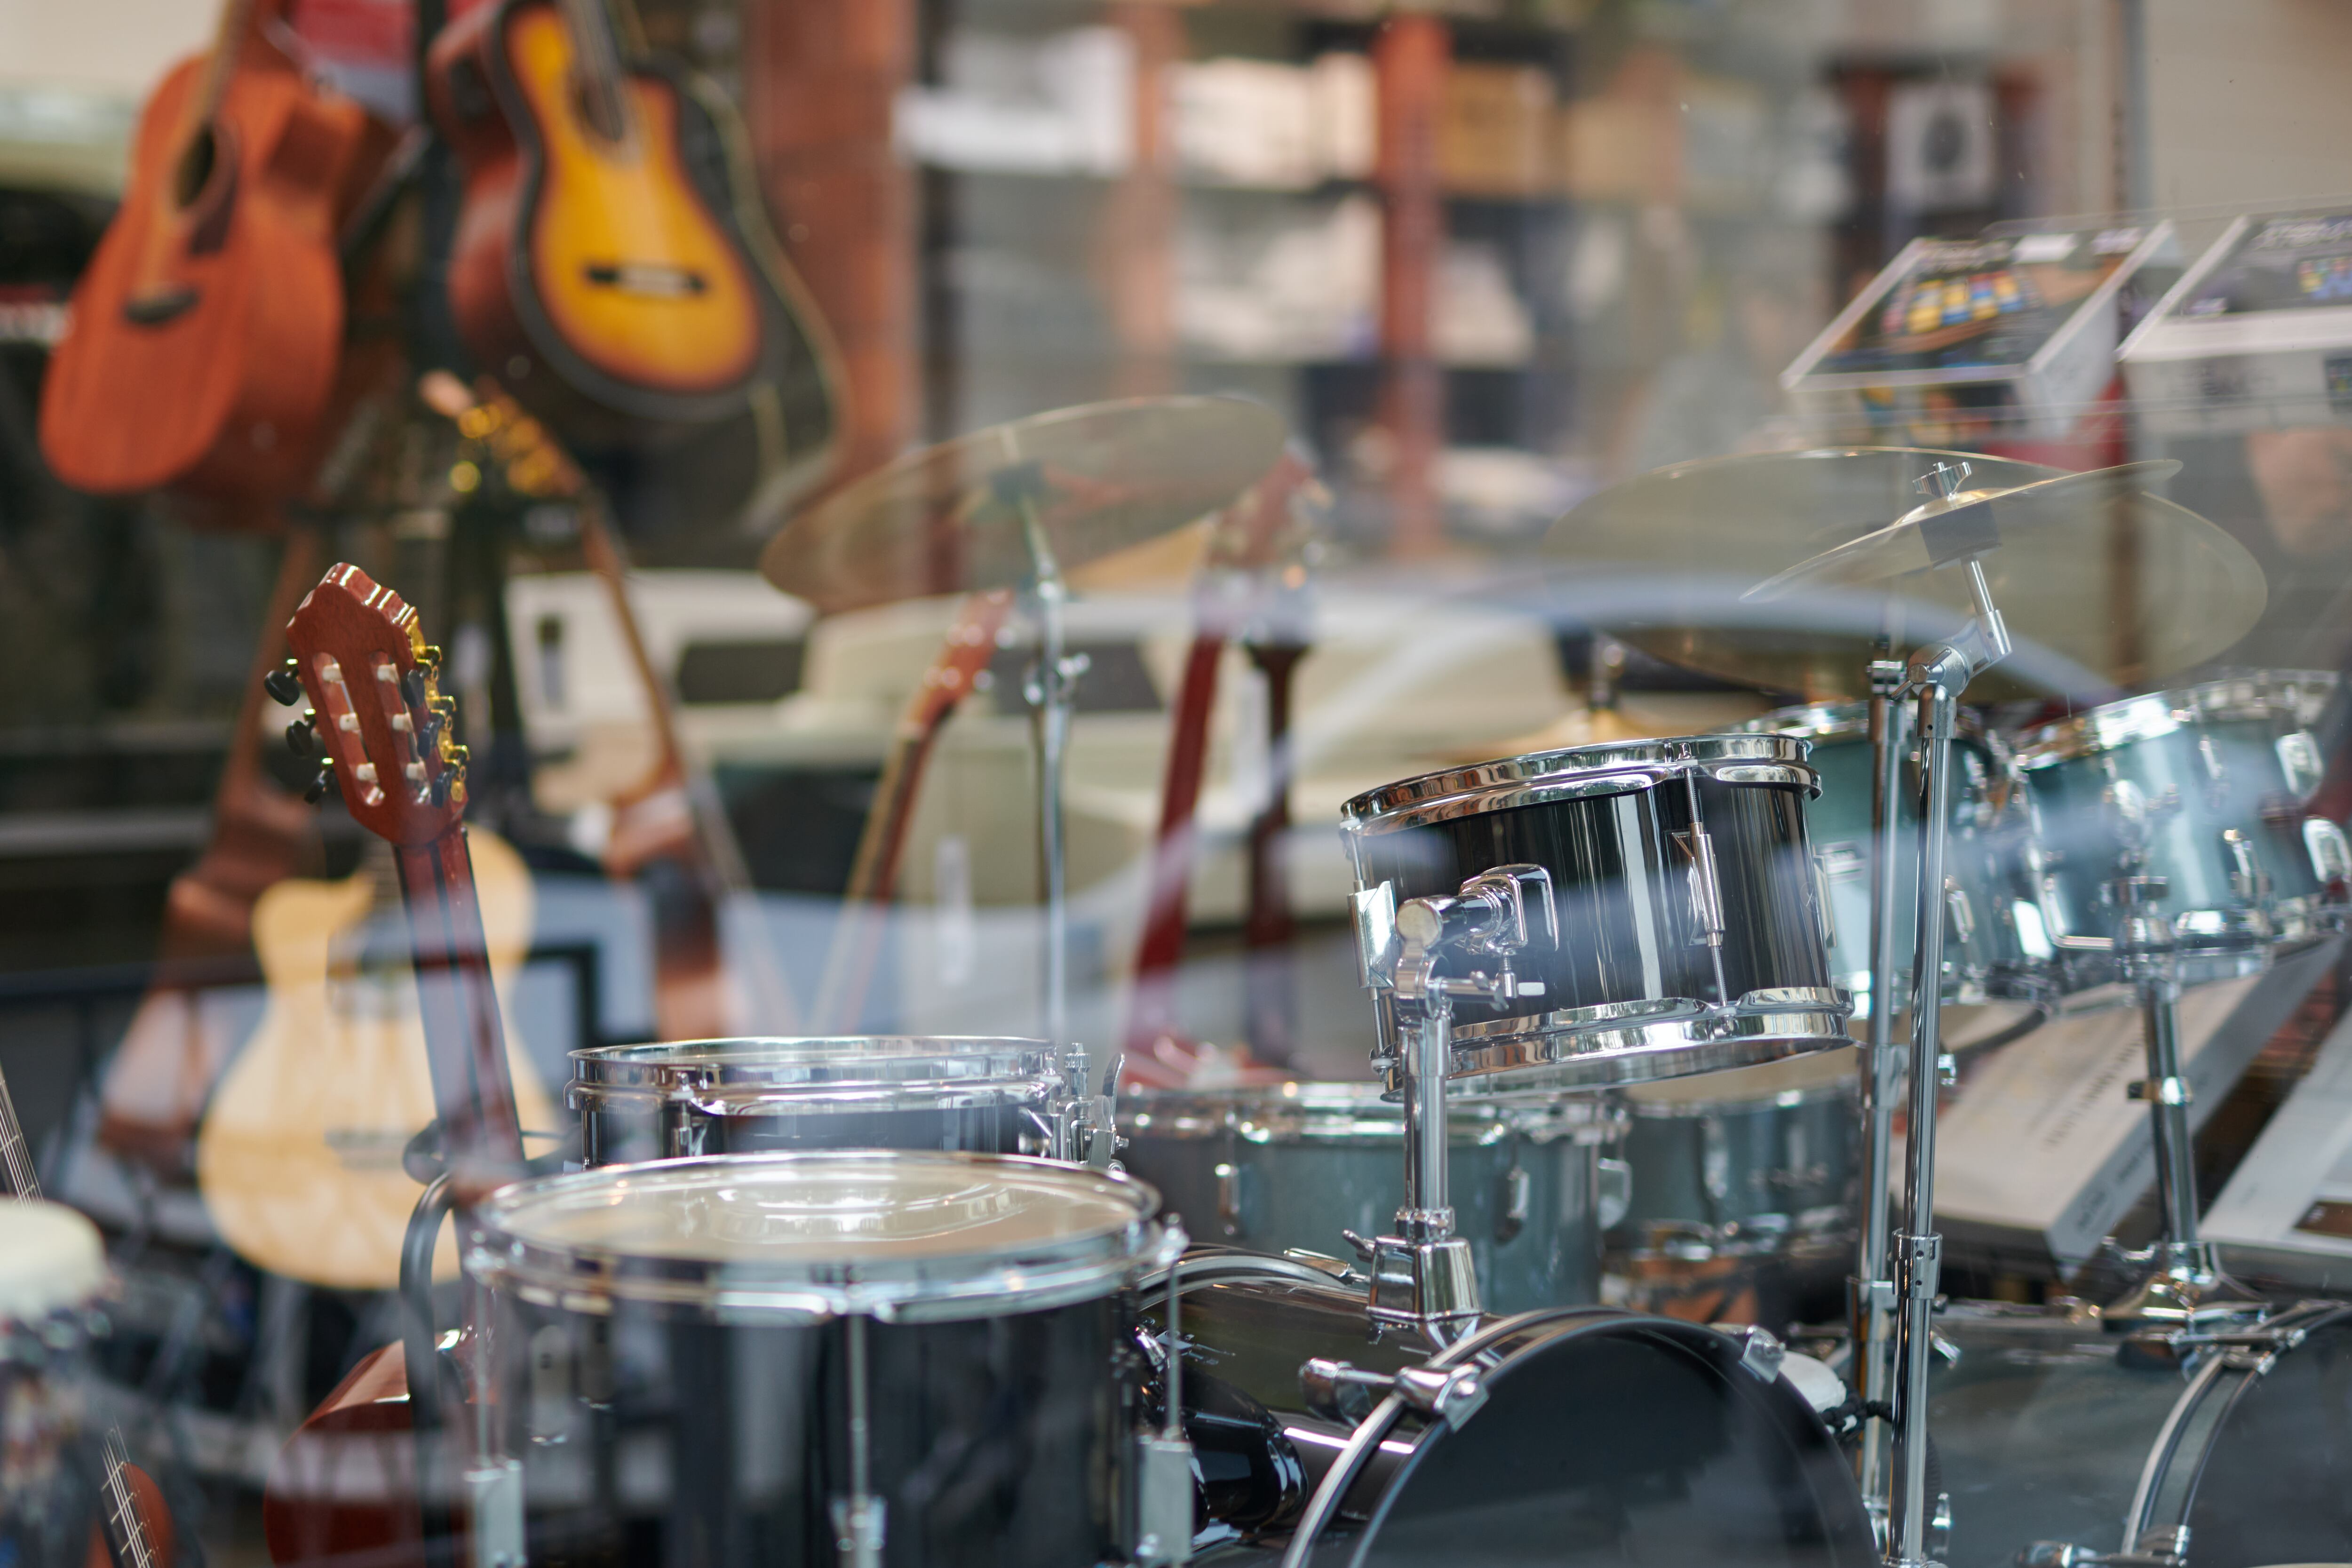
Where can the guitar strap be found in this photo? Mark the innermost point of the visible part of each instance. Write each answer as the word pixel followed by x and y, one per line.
pixel 1151 1016
pixel 1269 1001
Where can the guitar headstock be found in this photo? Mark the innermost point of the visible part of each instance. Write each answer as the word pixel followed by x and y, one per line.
pixel 376 712
pixel 1275 521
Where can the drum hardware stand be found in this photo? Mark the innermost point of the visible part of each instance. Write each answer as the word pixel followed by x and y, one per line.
pixel 1937 674
pixel 1424 1275
pixel 2186 1285
pixel 858 1519
pixel 1163 1470
pixel 1050 690
pixel 1873 1284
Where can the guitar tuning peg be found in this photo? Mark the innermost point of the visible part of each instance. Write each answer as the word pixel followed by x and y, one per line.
pixel 302 735
pixel 428 657
pixel 283 684
pixel 412 687
pixel 321 784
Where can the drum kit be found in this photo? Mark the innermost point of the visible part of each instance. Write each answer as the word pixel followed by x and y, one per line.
pixel 892 1301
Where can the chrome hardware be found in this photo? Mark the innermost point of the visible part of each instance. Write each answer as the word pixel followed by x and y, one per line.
pixel 1612 1190
pixel 2217 772
pixel 1163 1471
pixel 2165 1091
pixel 1964 915
pixel 2161 1548
pixel 2331 855
pixel 859 1518
pixel 1823 920
pixel 2299 759
pixel 1229 1198
pixel 1943 482
pixel 1761 1350
pixel 2248 883
pixel 1705 887
pixel 1452 1394
pixel 1714 1158
pixel 1511 1211
pixel 494 1503
pixel 1377 948
pixel 1338 1269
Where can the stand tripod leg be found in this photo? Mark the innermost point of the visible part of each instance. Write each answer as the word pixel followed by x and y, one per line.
pixel 1873 1284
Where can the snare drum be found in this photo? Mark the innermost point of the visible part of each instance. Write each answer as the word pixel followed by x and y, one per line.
pixel 1994 966
pixel 1693 927
pixel 52 1275
pixel 1593 1436
pixel 2043 1436
pixel 762 1358
pixel 2206 787
pixel 1757 1161
pixel 720 1097
pixel 1294 1164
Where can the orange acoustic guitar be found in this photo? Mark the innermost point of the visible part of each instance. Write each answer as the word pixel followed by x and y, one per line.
pixel 612 265
pixel 204 335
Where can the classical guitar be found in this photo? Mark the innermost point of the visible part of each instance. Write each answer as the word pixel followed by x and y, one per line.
pixel 964 653
pixel 137 1526
pixel 205 333
pixel 299 1156
pixel 377 712
pixel 612 265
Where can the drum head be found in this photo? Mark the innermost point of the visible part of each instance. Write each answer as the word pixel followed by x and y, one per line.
pixel 1614 1441
pixel 2271 1489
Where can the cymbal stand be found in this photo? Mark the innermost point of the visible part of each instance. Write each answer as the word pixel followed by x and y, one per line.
pixel 2185 1285
pixel 1874 1285
pixel 1936 675
pixel 1049 690
pixel 1424 1274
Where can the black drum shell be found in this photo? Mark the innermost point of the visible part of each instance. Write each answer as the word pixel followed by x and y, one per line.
pixel 660 1435
pixel 1597 1444
pixel 1628 931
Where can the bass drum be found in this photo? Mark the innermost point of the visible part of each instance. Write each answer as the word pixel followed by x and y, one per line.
pixel 2043 1436
pixel 1605 1437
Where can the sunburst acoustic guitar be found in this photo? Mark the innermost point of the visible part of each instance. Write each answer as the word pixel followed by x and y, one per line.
pixel 611 264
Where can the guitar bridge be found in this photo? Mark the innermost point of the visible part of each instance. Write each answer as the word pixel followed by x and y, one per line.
pixel 650 280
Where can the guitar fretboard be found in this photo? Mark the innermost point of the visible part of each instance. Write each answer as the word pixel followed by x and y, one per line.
pixel 24 1181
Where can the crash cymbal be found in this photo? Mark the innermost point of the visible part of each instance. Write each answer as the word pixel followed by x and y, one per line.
pixel 1102 477
pixel 1663 562
pixel 1969 523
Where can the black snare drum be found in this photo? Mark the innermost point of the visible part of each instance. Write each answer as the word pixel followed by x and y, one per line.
pixel 759 1359
pixel 1602 1437
pixel 2043 1436
pixel 949 1093
pixel 1693 928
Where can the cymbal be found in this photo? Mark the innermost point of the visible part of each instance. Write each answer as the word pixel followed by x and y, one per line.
pixel 1967 523
pixel 1103 477
pixel 1665 561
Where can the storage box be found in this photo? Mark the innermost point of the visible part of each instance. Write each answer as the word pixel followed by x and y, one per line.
pixel 1497 137
pixel 2257 335
pixel 2013 331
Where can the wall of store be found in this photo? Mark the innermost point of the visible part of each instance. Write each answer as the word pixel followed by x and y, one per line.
pixel 2248 100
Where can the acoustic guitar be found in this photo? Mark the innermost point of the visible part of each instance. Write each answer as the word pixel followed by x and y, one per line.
pixel 299 1156
pixel 965 652
pixel 205 336
pixel 345 1486
pixel 612 265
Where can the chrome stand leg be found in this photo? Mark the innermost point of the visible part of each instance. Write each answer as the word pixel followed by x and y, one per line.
pixel 1873 1284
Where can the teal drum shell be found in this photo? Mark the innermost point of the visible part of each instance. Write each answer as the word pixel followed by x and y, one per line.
pixel 1692 927
pixel 2208 788
pixel 1293 1165
pixel 1747 1162
pixel 2042 1434
pixel 1999 959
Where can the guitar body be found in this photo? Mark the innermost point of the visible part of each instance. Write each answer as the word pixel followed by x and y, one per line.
pixel 626 291
pixel 299 1157
pixel 343 1490
pixel 204 335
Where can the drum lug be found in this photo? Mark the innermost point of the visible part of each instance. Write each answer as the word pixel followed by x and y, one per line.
pixel 1761 1350
pixel 494 1501
pixel 1512 1202
pixel 1341 1391
pixel 2331 854
pixel 1823 916
pixel 1231 1198
pixel 2166 1546
pixel 1612 1185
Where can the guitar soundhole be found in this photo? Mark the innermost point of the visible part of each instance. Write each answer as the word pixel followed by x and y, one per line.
pixel 196 165
pixel 648 279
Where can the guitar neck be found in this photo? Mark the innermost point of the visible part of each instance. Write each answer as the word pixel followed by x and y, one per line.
pixel 465 1042
pixel 236 19
pixel 596 52
pixel 24 1181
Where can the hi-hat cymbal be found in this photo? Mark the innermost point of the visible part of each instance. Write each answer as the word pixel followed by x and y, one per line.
pixel 2104 587
pixel 1103 477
